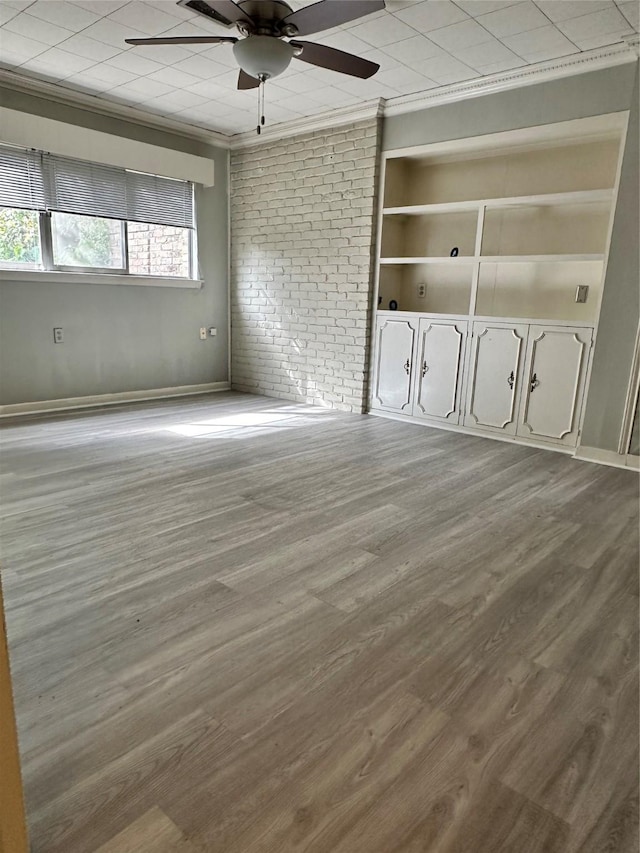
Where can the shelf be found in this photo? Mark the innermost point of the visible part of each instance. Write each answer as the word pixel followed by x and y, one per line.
pixel 427 209
pixel 537 259
pixel 546 199
pixel 465 259
pixel 495 259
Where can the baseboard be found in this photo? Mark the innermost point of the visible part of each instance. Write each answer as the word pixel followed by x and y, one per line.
pixel 477 433
pixel 607 457
pixel 43 406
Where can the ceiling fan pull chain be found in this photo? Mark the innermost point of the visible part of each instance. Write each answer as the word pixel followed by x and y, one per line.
pixel 259 110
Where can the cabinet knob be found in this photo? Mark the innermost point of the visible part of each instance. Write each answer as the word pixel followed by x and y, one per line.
pixel 424 368
pixel 407 367
pixel 510 380
pixel 534 382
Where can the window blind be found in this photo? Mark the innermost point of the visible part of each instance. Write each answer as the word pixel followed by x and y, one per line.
pixel 21 178
pixel 164 201
pixel 48 182
pixel 76 186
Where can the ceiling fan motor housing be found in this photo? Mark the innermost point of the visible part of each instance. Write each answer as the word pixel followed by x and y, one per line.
pixel 263 57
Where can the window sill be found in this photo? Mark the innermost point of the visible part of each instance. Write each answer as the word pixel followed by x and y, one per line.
pixel 57 277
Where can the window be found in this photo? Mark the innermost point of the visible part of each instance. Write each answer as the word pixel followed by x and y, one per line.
pixel 163 250
pixel 89 242
pixel 19 238
pixel 62 214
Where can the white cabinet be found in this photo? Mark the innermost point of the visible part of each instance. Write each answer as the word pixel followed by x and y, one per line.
pixel 553 387
pixel 393 370
pixel 495 376
pixel 522 381
pixel 440 358
pixel 528 381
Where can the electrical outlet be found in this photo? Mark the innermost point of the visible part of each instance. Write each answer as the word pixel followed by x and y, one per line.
pixel 422 290
pixel 203 333
pixel 58 336
pixel 582 293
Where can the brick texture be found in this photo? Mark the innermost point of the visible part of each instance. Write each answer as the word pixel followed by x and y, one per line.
pixel 302 240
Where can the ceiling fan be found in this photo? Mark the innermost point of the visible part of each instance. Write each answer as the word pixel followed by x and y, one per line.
pixel 262 52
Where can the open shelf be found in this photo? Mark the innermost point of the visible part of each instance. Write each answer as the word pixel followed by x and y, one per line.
pixel 529 212
pixel 524 229
pixel 447 287
pixel 428 235
pixel 539 290
pixel 546 199
pixel 571 166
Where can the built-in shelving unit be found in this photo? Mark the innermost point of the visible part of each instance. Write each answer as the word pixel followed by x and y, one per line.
pixel 513 226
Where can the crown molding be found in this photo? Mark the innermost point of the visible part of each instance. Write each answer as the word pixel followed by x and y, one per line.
pixel 541 72
pixel 101 106
pixel 307 124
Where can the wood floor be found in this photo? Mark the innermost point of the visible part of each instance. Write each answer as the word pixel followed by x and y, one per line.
pixel 243 626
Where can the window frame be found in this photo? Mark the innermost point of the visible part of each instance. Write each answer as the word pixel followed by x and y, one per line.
pixel 48 265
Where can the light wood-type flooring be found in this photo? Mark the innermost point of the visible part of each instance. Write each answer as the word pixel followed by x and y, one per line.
pixel 240 625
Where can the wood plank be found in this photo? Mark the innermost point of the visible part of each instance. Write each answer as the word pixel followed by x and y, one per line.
pixel 152 832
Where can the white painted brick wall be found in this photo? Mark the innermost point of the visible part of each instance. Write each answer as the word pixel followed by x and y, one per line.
pixel 302 237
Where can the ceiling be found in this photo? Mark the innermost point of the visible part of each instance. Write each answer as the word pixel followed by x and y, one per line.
pixel 419 44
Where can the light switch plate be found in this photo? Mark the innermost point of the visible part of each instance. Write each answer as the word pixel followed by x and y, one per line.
pixel 582 292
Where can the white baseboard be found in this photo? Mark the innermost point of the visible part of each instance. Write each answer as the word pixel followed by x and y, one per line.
pixel 478 433
pixel 607 457
pixel 42 406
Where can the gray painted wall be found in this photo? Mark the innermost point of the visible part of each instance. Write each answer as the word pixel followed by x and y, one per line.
pixel 119 338
pixel 596 93
pixel 620 310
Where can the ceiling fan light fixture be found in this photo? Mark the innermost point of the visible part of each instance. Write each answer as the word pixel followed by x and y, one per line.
pixel 263 57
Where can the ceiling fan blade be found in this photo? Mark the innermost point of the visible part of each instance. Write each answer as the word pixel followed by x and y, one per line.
pixel 330 13
pixel 246 81
pixel 224 12
pixel 335 60
pixel 184 40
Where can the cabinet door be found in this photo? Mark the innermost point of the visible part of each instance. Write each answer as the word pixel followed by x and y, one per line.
pixel 393 369
pixel 439 369
pixel 496 361
pixel 554 376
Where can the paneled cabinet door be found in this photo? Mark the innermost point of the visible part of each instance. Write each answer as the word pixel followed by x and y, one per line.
pixel 554 376
pixel 439 369
pixel 496 362
pixel 393 369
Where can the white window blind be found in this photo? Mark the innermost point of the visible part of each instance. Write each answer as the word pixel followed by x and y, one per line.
pixel 77 186
pixel 21 179
pixel 164 201
pixel 47 182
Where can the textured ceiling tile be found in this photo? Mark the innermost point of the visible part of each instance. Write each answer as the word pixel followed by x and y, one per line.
pixel 90 48
pixel 460 35
pixel 514 19
pixel 431 15
pixel 140 17
pixel 631 10
pixel 607 21
pixel 34 28
pixel 382 31
pixel 538 45
pixel 111 32
pixel 63 14
pixel 561 11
